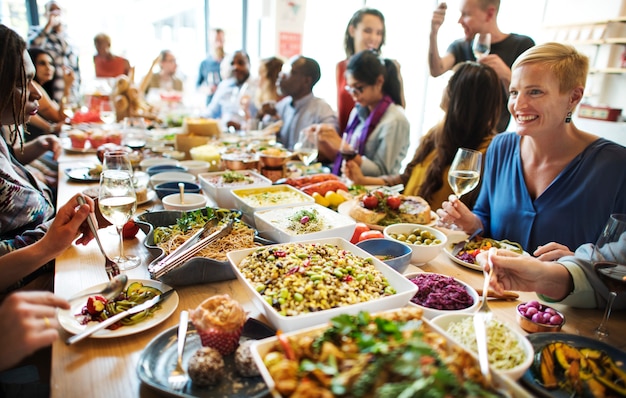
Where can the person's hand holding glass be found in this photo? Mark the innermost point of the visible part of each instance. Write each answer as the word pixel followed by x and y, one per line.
pixel 608 267
pixel 306 147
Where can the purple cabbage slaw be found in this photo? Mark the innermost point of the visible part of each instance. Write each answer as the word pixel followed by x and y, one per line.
pixel 440 292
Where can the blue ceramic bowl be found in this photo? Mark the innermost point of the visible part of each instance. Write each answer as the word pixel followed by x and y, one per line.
pixel 161 168
pixel 168 188
pixel 395 254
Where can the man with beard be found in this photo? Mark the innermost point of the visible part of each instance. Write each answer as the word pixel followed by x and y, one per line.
pixel 478 16
pixel 232 102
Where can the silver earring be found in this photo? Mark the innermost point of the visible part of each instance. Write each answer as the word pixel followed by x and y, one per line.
pixel 568 118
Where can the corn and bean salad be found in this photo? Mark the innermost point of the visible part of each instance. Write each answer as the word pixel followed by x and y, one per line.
pixel 298 278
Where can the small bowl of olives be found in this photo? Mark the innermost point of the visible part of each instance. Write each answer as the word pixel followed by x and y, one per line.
pixel 426 242
pixel 536 317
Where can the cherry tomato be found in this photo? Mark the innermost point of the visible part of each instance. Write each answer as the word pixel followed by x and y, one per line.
pixel 129 230
pixel 370 201
pixel 358 230
pixel 370 235
pixel 394 202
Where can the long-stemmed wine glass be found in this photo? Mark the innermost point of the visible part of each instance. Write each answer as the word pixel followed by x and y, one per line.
pixel 607 265
pixel 117 160
pixel 117 203
pixel 306 147
pixel 464 171
pixel 481 45
pixel 347 149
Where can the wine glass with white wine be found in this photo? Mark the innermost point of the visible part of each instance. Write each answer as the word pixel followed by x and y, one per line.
pixel 117 203
pixel 464 173
pixel 608 267
pixel 481 45
pixel 306 147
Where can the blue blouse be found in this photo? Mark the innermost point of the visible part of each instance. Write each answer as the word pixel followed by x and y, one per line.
pixel 571 211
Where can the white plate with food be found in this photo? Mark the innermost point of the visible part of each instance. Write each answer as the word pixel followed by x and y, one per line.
pixel 467 255
pixel 72 320
pixel 345 209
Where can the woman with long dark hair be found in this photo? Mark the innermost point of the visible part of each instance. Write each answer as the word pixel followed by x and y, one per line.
pixel 471 104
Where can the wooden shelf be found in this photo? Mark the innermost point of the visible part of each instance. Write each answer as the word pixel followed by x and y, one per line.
pixel 615 71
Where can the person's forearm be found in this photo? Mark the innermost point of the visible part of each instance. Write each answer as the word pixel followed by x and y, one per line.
pixel 19 263
pixel 557 282
pixel 30 151
pixel 434 59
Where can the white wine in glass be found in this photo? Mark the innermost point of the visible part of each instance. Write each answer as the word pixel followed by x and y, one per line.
pixel 117 203
pixel 607 266
pixel 306 147
pixel 464 173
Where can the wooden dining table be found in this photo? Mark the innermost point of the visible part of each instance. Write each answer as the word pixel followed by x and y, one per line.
pixel 107 367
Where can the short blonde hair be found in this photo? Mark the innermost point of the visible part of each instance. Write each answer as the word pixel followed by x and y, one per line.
pixel 568 65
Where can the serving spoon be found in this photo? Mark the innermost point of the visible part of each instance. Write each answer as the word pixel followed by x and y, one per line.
pixel 112 289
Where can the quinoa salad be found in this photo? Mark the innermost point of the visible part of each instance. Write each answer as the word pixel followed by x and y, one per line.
pixel 298 278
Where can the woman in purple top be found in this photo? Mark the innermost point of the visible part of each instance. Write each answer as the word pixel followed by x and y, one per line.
pixel 550 181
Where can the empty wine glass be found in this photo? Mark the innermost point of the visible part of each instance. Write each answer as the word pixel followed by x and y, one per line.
pixel 134 129
pixel 306 147
pixel 481 45
pixel 464 171
pixel 117 160
pixel 606 265
pixel 117 203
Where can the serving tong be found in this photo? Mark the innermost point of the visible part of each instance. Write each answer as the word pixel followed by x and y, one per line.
pixel 193 245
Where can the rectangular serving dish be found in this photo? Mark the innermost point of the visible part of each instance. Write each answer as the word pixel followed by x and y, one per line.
pixel 260 348
pixel 273 224
pixel 221 192
pixel 405 289
pixel 276 196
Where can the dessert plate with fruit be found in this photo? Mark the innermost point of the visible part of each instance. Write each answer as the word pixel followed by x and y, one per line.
pixel 159 357
pixel 81 314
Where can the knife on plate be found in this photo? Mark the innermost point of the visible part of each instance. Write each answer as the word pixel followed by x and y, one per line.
pixel 460 245
pixel 118 317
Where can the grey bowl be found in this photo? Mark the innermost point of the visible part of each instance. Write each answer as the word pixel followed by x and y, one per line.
pixel 399 254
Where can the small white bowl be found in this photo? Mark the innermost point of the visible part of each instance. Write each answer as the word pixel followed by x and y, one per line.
pixel 213 184
pixel 144 164
pixel 442 322
pixel 430 313
pixel 421 253
pixel 191 201
pixel 171 176
pixel 195 167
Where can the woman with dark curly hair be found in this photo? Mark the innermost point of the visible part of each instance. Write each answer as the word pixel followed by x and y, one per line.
pixel 471 104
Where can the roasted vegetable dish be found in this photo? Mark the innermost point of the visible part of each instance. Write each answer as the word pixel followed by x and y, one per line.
pixel 579 371
pixel 388 355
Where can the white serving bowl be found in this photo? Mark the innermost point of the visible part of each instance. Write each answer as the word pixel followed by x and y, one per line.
pixel 421 253
pixel 273 224
pixel 442 322
pixel 191 201
pixel 195 167
pixel 213 185
pixel 275 196
pixel 168 176
pixel 144 164
pixel 430 313
pixel 404 291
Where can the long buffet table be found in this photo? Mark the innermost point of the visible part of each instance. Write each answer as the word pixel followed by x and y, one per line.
pixel 107 367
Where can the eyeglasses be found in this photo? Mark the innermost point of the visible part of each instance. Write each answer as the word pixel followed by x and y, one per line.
pixel 355 89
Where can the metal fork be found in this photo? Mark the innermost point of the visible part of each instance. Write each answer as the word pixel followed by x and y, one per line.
pixel 178 377
pixel 481 319
pixel 110 266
